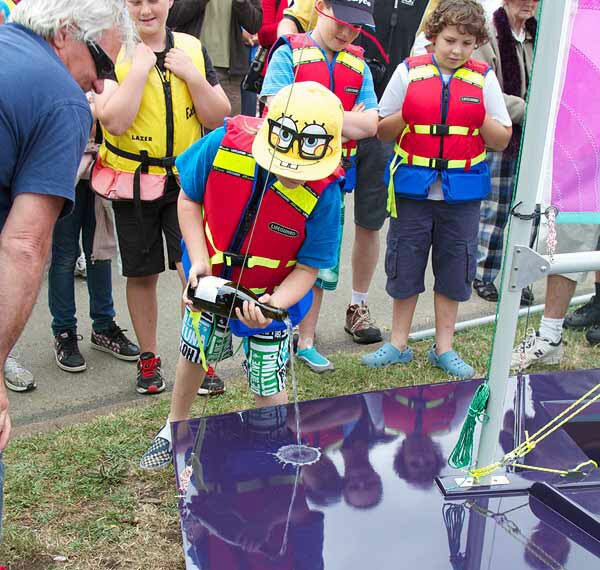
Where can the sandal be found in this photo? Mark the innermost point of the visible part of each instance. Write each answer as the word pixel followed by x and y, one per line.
pixel 450 363
pixel 386 355
pixel 487 291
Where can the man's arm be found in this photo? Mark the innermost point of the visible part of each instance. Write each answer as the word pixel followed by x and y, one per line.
pixel 24 246
pixel 248 14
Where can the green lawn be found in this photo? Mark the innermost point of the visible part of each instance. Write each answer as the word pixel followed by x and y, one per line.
pixel 76 499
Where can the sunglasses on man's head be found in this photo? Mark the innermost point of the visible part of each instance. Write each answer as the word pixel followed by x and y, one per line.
pixel 105 68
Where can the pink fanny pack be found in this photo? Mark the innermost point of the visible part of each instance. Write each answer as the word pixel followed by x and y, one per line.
pixel 116 185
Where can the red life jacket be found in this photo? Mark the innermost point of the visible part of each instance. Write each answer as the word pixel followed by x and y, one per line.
pixel 443 135
pixel 429 409
pixel 230 217
pixel 310 64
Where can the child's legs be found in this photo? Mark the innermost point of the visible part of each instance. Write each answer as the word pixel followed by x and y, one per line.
pixel 143 308
pixel 445 318
pixel 308 326
pixel 188 378
pixel 265 366
pixel 201 334
pixel 406 256
pixel 327 280
pixel 454 260
pixel 402 317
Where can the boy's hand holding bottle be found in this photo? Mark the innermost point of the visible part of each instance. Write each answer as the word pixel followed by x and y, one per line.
pixel 197 271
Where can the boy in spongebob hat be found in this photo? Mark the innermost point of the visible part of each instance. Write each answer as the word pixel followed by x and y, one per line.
pixel 268 190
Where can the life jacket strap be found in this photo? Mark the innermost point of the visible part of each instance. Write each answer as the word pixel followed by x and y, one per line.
pixel 441 130
pixel 437 163
pixel 231 259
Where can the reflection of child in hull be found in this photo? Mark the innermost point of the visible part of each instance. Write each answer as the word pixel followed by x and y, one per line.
pixel 280 209
pixel 443 109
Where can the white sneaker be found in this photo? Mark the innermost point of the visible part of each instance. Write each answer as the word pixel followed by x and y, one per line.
pixel 81 267
pixel 536 349
pixel 16 377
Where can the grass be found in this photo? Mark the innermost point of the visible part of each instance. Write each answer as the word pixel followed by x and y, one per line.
pixel 75 498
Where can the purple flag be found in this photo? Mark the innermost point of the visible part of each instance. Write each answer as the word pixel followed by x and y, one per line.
pixel 576 158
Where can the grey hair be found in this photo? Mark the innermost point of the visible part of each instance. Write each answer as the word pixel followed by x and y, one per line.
pixel 85 20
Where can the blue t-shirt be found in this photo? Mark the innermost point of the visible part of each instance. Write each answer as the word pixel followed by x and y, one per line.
pixel 280 74
pixel 321 242
pixel 45 120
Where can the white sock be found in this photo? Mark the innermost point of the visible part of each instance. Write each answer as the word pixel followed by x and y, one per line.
pixel 358 298
pixel 165 432
pixel 551 329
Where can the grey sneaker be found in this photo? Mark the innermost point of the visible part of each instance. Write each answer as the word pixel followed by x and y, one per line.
pixel 536 349
pixel 80 267
pixel 16 377
pixel 158 456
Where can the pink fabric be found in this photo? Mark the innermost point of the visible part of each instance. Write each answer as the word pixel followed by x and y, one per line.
pixel 576 158
pixel 114 185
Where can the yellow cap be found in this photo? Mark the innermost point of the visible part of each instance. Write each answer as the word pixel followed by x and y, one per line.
pixel 301 137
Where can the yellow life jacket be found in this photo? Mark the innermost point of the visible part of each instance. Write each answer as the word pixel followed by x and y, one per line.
pixel 166 123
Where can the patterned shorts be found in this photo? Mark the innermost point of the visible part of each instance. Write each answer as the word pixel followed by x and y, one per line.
pixel 267 354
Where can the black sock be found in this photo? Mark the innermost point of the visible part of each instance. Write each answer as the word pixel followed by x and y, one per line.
pixel 597 297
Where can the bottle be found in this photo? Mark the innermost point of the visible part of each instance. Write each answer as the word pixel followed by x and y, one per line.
pixel 218 296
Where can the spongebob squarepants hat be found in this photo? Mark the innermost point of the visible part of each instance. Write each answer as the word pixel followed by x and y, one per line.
pixel 301 137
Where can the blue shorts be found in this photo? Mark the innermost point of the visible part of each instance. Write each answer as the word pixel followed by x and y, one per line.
pixel 449 231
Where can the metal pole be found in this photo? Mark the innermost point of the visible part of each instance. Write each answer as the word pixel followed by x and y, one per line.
pixel 479 321
pixel 545 75
pixel 574 262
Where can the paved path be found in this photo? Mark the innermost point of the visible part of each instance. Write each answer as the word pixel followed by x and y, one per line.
pixel 108 383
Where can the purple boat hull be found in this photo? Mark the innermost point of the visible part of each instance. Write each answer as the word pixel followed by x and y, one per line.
pixel 370 501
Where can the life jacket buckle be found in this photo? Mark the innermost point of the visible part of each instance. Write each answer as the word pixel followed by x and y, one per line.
pixel 233 259
pixel 438 163
pixel 439 129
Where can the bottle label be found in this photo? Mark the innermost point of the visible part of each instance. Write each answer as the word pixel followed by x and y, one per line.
pixel 208 288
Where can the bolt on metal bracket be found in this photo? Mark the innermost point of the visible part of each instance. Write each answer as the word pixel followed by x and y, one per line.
pixel 528 267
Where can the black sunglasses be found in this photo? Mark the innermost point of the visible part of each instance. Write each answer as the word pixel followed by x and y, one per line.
pixel 105 68
pixel 313 141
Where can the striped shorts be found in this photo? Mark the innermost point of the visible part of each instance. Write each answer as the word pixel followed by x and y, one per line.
pixel 267 353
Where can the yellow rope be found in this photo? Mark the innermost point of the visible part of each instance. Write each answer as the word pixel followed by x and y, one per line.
pixel 531 441
pixel 195 316
pixel 564 472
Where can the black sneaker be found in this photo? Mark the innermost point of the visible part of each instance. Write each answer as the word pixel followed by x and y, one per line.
pixel 586 316
pixel 67 353
pixel 149 377
pixel 114 341
pixel 593 335
pixel 212 384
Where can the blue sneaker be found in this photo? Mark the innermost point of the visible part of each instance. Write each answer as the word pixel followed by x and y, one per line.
pixel 314 360
pixel 386 355
pixel 450 363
